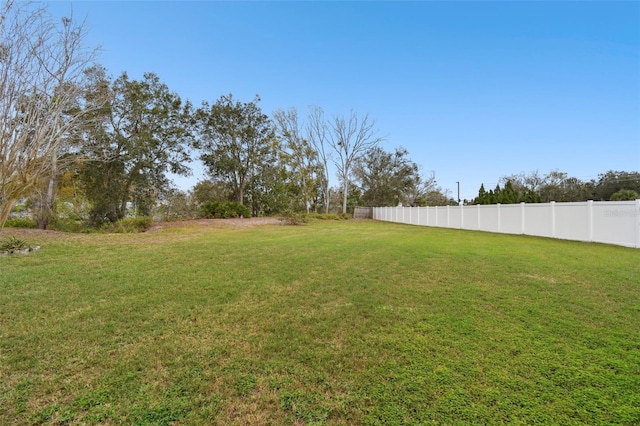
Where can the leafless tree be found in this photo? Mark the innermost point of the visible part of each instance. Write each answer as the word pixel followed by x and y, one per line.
pixel 349 138
pixel 41 72
pixel 317 134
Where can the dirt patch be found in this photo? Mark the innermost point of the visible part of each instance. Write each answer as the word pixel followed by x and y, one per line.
pixel 238 223
pixel 156 226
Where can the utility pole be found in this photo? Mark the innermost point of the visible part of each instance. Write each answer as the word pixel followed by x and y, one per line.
pixel 458 192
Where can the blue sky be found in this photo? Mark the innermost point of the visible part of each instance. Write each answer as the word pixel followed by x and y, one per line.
pixel 473 90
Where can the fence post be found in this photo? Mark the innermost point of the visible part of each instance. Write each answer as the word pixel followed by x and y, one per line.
pixel 553 219
pixel 590 220
pixel 461 216
pixel 448 217
pixel 638 223
pixel 478 209
pixel 499 217
pixel 522 219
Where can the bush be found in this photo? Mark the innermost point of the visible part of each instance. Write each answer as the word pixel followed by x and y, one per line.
pixel 70 225
pixel 625 195
pixel 129 225
pixel 329 216
pixel 21 223
pixel 293 218
pixel 224 210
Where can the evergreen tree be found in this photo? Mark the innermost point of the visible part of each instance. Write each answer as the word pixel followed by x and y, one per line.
pixel 482 196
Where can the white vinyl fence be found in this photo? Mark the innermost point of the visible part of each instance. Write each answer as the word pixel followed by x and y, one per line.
pixel 609 222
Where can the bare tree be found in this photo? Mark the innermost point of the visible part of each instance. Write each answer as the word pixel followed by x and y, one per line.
pixel 317 134
pixel 350 138
pixel 41 70
pixel 419 188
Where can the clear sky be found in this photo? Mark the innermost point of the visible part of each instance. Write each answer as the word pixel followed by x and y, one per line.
pixel 473 90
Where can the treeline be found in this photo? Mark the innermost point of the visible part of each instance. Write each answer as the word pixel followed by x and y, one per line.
pixel 81 146
pixel 558 186
pixel 115 161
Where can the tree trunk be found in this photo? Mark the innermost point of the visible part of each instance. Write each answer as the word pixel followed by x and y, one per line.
pixel 47 206
pixel 6 209
pixel 327 197
pixel 344 197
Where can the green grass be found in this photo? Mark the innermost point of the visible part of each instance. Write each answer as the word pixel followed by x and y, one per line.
pixel 336 323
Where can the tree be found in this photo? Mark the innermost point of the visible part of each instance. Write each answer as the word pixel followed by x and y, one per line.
pixel 438 197
pixel 385 177
pixel 132 142
pixel 558 186
pixel 611 182
pixel 41 75
pixel 207 190
pixel 508 195
pixel 305 172
pixel 269 190
pixel 521 188
pixel 317 134
pixel 417 192
pixel 349 138
pixel 482 197
pixel 175 204
pixel 237 140
pixel 625 195
pixel 71 202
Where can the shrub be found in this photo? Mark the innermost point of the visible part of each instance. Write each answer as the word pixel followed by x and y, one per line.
pixel 70 225
pixel 293 218
pixel 129 225
pixel 21 223
pixel 329 216
pixel 12 243
pixel 224 210
pixel 625 195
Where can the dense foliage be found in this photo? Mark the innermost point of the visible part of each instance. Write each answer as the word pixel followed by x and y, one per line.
pixel 131 142
pixel 128 225
pixel 558 186
pixel 238 143
pixel 224 210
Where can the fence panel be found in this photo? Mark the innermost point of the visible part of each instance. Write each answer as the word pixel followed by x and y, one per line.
pixel 511 218
pixel 489 218
pixel 423 215
pixel 571 221
pixel 471 217
pixel 610 222
pixel 539 219
pixel 455 216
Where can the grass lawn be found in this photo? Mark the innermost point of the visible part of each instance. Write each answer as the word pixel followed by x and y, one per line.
pixel 337 323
